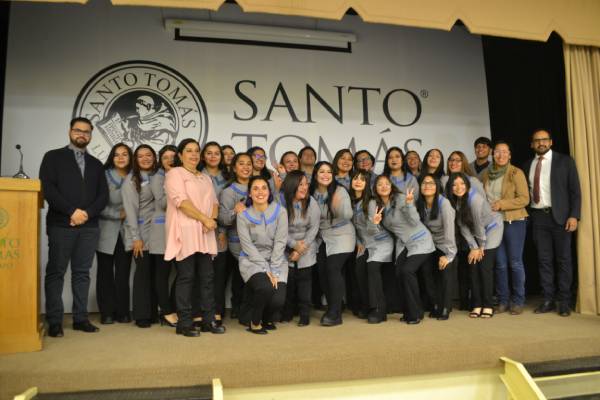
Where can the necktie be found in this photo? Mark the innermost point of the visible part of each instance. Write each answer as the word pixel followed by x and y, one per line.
pixel 80 158
pixel 536 180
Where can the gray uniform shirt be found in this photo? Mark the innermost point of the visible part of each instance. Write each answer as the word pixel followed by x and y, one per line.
pixel 263 237
pixel 403 221
pixel 442 228
pixel 305 228
pixel 230 196
pixel 475 184
pixel 156 245
pixel 488 225
pixel 139 209
pixel 218 182
pixel 110 222
pixel 337 233
pixel 378 241
pixel 408 181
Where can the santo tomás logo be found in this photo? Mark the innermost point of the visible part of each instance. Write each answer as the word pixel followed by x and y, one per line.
pixel 141 102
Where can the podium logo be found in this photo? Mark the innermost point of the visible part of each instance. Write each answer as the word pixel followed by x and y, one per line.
pixel 4 217
pixel 141 102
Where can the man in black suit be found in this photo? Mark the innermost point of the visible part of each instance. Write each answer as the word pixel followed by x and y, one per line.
pixel 555 210
pixel 74 185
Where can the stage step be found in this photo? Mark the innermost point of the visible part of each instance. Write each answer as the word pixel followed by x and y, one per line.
pixel 576 379
pixel 204 392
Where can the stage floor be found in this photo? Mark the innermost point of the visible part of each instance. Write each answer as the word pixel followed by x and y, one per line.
pixel 124 356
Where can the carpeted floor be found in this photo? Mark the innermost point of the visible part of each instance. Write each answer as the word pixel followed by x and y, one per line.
pixel 123 356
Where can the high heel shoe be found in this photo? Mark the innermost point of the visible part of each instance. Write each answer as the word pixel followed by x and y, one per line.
pixel 165 321
pixel 257 331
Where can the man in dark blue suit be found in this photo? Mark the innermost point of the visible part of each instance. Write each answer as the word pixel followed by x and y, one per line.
pixel 555 210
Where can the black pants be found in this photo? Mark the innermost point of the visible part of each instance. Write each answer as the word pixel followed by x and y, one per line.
pixel 299 288
pixel 112 281
pixel 406 271
pixel 464 280
pixel 439 284
pixel 77 245
pixel 375 286
pixel 482 280
pixel 194 289
pixel 237 283
pixel 222 272
pixel 362 282
pixel 162 274
pixel 352 293
pixel 143 288
pixel 391 288
pixel 261 301
pixel 332 281
pixel 317 291
pixel 553 245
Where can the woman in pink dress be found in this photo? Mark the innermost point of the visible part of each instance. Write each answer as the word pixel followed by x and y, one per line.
pixel 192 208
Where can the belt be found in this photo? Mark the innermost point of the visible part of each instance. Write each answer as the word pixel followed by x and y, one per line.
pixel 546 210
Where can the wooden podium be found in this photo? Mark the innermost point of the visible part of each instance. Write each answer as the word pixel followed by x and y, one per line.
pixel 21 328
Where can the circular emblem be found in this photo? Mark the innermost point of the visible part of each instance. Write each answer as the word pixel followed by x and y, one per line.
pixel 3 218
pixel 141 102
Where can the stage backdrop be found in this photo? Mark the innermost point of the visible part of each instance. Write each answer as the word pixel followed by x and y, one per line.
pixel 118 66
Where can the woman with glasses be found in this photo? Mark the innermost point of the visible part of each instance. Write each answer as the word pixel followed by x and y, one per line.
pixel 458 162
pixel 437 214
pixel 507 191
pixel 259 168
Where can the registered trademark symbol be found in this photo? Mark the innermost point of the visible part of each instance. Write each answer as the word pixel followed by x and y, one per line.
pixel 424 93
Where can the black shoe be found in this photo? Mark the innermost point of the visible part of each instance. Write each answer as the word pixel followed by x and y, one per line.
pixel 545 307
pixel 55 330
pixel 435 312
pixel 188 331
pixel 376 317
pixel 218 322
pixel 235 313
pixel 270 326
pixel 413 321
pixel 124 319
pixel 107 320
pixel 362 314
pixel 443 315
pixel 328 321
pixel 564 310
pixel 164 321
pixel 212 328
pixel 85 326
pixel 257 331
pixel 304 320
pixel 143 323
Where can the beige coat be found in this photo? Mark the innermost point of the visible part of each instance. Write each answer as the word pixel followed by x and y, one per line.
pixel 515 193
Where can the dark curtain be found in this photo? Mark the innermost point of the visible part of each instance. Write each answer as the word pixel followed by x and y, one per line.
pixel 4 11
pixel 526 91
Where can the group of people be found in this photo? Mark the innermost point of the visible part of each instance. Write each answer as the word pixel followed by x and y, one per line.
pixel 303 235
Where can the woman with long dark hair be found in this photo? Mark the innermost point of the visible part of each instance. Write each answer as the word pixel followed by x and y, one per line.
pixel 433 163
pixel 339 239
pixel 342 167
pixel 232 202
pixel 437 214
pixel 114 262
pixel 259 168
pixel 458 162
pixel 396 170
pixel 192 209
pixel 303 226
pixel 228 154
pixel 263 232
pixel 212 164
pixel 414 245
pixel 156 245
pixel 138 201
pixel 413 163
pixel 482 229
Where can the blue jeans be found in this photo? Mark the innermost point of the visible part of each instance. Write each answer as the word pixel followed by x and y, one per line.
pixel 510 253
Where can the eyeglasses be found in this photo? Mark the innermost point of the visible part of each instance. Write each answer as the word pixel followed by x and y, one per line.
pixel 363 160
pixel 455 160
pixel 384 185
pixel 428 184
pixel 80 132
pixel 502 152
pixel 260 156
pixel 547 139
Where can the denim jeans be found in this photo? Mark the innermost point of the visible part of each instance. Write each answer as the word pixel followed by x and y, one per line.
pixel 510 254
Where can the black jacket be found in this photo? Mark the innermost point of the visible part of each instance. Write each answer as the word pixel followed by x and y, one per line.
pixel 564 187
pixel 65 190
